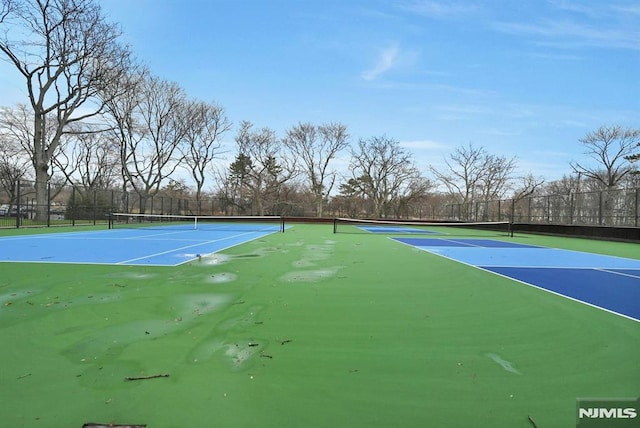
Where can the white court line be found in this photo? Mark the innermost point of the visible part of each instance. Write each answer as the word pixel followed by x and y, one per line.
pixel 173 250
pixel 133 238
pixel 483 268
pixel 556 293
pixel 152 235
pixel 620 273
pixel 465 244
pixel 600 268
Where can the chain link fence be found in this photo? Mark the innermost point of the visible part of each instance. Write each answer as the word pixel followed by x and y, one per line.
pixel 617 207
pixel 72 205
pixel 75 205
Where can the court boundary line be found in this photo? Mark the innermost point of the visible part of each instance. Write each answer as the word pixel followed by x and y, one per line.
pixel 411 231
pixel 601 268
pixel 469 245
pixel 465 244
pixel 523 282
pixel 190 246
pixel 620 273
pixel 125 262
pixel 560 294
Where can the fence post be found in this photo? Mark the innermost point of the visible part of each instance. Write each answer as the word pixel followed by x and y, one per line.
pixel 49 204
pixel 95 206
pixel 548 209
pixel 513 210
pixel 600 208
pixel 571 207
pixel 637 207
pixel 18 186
pixel 74 211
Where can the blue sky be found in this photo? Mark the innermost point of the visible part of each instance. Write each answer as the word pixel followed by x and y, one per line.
pixel 519 78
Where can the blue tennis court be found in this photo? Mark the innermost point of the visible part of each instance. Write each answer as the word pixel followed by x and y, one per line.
pixel 396 230
pixel 141 246
pixel 606 282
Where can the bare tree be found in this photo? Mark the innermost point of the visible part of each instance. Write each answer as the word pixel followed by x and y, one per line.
pixel 13 167
pixel 149 126
pixel 316 147
pixel 6 7
pixel 16 125
pixel 564 186
pixel 473 174
pixel 89 158
pixel 611 147
pixel 497 176
pixel 205 126
pixel 66 52
pixel 527 186
pixel 465 168
pixel 260 168
pixel 383 172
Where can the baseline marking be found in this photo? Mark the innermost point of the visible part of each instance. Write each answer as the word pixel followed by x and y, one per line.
pixel 579 275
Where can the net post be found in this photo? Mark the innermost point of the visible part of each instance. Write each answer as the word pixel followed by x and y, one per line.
pixel 195 223
pixel 510 225
pixel 282 223
pixel 109 220
pixel 335 225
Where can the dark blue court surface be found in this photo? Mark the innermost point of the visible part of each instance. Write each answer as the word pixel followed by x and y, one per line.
pixel 462 242
pixel 155 247
pixel 606 282
pixel 396 230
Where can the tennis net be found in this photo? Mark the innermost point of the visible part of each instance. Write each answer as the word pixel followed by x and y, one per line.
pixel 195 222
pixel 400 227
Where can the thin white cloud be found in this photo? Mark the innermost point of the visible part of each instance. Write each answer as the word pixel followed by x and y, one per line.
pixel 466 109
pixel 438 9
pixel 597 10
pixel 499 132
pixel 567 34
pixel 575 7
pixel 387 59
pixel 574 123
pixel 633 9
pixel 424 145
pixel 554 57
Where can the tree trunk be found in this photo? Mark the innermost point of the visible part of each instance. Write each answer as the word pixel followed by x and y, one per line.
pixel 41 166
pixel 319 205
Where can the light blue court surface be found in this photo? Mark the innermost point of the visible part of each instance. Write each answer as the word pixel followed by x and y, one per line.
pixel 148 247
pixel 606 282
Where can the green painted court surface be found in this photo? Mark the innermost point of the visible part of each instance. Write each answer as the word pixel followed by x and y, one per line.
pixel 305 329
